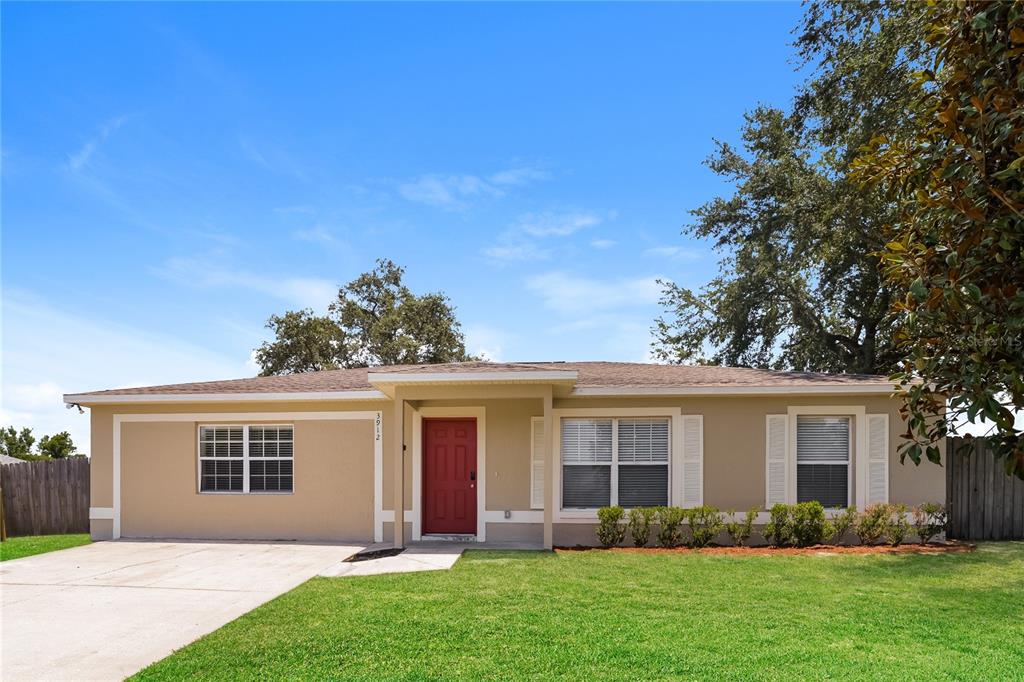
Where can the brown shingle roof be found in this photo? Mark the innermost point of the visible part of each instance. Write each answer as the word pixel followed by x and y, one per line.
pixel 590 375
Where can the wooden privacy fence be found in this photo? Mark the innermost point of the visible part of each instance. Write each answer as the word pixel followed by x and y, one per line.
pixel 983 502
pixel 46 497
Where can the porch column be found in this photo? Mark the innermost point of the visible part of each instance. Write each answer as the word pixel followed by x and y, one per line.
pixel 549 471
pixel 398 439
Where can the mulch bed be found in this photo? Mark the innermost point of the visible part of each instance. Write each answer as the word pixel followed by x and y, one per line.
pixel 814 550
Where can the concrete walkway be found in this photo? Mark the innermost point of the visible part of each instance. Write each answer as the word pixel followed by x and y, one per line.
pixel 105 611
pixel 419 557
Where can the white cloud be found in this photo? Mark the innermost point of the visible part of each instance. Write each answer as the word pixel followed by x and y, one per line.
pixel 453 191
pixel 573 295
pixel 318 234
pixel 674 252
pixel 49 352
pixel 271 158
pixel 549 224
pixel 522 251
pixel 521 242
pixel 449 191
pixel 486 342
pixel 603 243
pixel 308 292
pixel 83 156
pixel 519 176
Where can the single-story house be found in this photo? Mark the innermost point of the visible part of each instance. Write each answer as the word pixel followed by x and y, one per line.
pixel 511 452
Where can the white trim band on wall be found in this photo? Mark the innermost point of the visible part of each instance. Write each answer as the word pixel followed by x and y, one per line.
pixel 101 513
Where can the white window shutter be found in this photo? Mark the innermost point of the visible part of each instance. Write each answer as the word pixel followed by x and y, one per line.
pixel 776 459
pixel 537 464
pixel 878 458
pixel 693 460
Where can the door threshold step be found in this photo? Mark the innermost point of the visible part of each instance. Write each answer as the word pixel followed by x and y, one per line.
pixel 447 537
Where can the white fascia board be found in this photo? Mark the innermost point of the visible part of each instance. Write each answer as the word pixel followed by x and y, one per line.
pixel 77 399
pixel 451 377
pixel 733 390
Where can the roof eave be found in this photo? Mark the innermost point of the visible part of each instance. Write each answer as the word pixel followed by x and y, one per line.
pixel 87 400
pixel 398 378
pixel 672 391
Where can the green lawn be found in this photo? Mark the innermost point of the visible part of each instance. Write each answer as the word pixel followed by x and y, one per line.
pixel 16 548
pixel 600 615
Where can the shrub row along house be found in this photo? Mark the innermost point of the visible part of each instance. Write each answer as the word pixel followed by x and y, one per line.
pixel 505 452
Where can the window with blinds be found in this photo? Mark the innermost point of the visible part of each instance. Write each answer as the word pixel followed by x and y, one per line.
pixel 823 460
pixel 270 458
pixel 221 458
pixel 632 453
pixel 246 459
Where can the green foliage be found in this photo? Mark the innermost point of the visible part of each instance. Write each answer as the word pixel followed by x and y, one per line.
pixel 841 523
pixel 30 545
pixel 14 443
pixel 670 520
pixel 929 521
pixel 375 320
pixel 897 527
pixel 303 342
pixel 778 532
pixel 57 446
pixel 705 525
pixel 871 524
pixel 740 531
pixel 610 531
pixel 809 527
pixel 956 247
pixel 798 284
pixel 639 524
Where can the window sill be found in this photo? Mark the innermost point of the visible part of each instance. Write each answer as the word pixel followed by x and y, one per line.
pixel 240 492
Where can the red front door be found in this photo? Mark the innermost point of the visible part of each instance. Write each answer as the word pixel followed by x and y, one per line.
pixel 449 476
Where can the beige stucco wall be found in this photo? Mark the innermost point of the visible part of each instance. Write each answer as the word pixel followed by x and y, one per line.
pixel 333 496
pixel 734 444
pixel 333 484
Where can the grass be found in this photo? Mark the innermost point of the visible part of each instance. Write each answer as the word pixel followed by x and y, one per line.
pixel 16 548
pixel 600 615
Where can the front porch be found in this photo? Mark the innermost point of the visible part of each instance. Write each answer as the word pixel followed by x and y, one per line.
pixel 502 486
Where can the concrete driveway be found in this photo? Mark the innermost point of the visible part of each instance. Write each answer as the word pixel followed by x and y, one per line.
pixel 107 610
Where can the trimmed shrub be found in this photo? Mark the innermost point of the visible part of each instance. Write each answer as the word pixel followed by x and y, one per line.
pixel 929 521
pixel 808 524
pixel 897 526
pixel 740 531
pixel 610 530
pixel 779 529
pixel 705 525
pixel 841 523
pixel 639 524
pixel 669 521
pixel 871 524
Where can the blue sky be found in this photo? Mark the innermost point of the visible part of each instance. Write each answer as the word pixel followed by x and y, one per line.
pixel 174 174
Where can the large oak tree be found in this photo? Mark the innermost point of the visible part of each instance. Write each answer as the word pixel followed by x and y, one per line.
pixel 375 320
pixel 799 285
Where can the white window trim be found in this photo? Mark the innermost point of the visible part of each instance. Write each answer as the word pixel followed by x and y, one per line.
pixel 480 415
pixel 857 468
pixel 245 459
pixel 675 445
